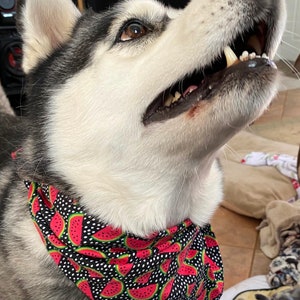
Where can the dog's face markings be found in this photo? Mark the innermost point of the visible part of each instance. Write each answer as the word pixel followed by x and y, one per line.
pixel 141 97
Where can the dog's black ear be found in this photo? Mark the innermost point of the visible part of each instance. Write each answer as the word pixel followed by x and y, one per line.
pixel 44 25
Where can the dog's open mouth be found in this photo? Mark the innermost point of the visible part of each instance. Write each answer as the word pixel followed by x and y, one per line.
pixel 250 47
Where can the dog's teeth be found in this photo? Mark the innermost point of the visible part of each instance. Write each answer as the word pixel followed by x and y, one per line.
pixel 244 56
pixel 176 97
pixel 169 100
pixel 252 55
pixel 231 58
pixel 172 99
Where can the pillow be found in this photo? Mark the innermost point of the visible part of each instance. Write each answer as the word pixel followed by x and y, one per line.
pixel 279 293
pixel 247 189
pixel 256 282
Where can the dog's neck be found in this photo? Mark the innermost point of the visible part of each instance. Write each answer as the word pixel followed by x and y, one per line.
pixel 97 256
pixel 152 201
pixel 141 204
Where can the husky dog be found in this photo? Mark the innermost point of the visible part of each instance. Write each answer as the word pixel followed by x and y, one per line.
pixel 127 111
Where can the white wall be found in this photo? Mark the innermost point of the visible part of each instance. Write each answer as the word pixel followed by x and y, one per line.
pixel 290 46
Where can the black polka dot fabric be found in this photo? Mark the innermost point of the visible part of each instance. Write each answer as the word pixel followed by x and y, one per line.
pixel 182 262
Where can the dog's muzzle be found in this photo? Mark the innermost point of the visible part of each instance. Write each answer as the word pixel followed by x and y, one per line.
pixel 248 52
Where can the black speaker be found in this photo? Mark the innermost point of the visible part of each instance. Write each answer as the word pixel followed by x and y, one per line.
pixel 99 5
pixel 7 12
pixel 11 74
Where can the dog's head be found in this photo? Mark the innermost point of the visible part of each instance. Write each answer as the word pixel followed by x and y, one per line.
pixel 134 102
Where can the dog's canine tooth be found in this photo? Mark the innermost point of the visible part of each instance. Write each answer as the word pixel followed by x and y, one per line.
pixel 231 58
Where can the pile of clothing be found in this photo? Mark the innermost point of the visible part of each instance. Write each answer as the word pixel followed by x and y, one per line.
pixel 279 233
pixel 285 268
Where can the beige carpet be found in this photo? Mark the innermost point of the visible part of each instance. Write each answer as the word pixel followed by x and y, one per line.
pixel 287 130
pixel 282 121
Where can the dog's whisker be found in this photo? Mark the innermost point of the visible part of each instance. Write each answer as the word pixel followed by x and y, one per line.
pixel 181 89
pixel 181 188
pixel 228 149
pixel 291 46
pixel 295 34
pixel 289 65
pixel 37 166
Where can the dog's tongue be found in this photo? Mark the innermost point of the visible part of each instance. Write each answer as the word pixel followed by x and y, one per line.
pixel 189 90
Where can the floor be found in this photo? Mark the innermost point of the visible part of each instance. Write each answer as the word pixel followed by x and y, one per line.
pixel 237 234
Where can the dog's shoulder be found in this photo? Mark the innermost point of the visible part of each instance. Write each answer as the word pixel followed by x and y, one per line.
pixel 13 130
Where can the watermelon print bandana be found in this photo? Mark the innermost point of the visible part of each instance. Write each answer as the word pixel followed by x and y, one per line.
pixel 182 262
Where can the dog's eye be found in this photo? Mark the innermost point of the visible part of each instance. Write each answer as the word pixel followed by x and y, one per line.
pixel 133 31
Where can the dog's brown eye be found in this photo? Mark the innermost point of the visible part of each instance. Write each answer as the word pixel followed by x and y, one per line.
pixel 133 31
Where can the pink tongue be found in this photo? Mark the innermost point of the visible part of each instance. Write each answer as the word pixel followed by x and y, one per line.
pixel 189 90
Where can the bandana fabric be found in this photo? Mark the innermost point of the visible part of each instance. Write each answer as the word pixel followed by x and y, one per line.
pixel 182 262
